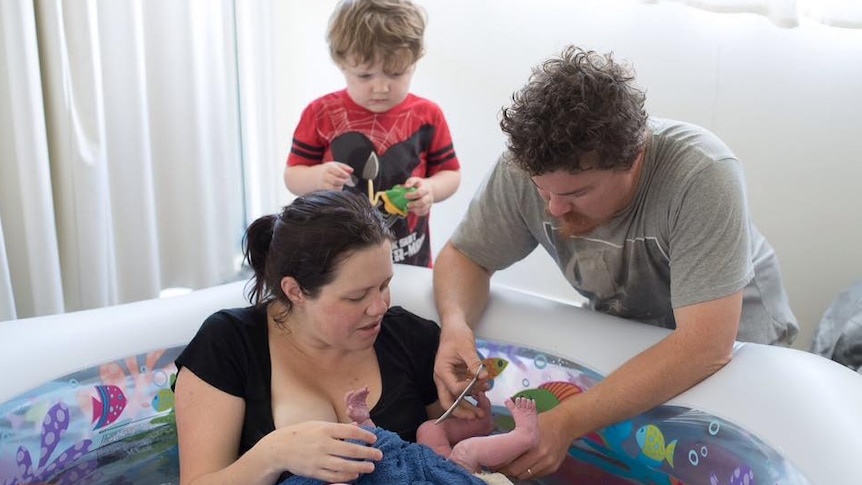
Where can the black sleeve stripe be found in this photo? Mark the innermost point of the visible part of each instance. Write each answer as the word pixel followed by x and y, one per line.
pixel 304 154
pixel 442 160
pixel 440 152
pixel 310 148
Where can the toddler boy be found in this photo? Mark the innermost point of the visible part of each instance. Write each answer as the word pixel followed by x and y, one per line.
pixel 375 135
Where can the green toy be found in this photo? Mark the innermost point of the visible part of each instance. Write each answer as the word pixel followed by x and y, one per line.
pixel 394 200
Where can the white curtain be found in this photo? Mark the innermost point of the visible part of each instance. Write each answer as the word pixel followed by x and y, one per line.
pixel 262 163
pixel 789 13
pixel 29 258
pixel 120 166
pixel 838 13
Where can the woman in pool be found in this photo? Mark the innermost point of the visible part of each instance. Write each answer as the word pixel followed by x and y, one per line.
pixel 260 390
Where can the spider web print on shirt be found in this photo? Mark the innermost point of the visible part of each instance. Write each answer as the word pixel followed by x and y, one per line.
pixel 383 129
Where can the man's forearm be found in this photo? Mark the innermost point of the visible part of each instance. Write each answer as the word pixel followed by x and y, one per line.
pixel 701 345
pixel 647 380
pixel 461 287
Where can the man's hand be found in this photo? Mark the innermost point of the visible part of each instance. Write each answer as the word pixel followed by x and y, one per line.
pixel 555 439
pixel 454 366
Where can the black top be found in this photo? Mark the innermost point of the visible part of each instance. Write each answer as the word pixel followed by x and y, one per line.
pixel 231 353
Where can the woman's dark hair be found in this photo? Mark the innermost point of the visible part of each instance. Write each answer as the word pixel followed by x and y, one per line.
pixel 307 241
pixel 576 104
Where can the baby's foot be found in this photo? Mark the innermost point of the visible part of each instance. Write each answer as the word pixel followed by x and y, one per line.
pixel 524 412
pixel 357 407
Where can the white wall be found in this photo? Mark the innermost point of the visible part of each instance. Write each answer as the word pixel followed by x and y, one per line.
pixel 786 100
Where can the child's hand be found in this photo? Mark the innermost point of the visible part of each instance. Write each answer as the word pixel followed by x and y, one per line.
pixel 422 199
pixel 333 175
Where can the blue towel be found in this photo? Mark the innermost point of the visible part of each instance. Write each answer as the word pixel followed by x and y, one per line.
pixel 404 463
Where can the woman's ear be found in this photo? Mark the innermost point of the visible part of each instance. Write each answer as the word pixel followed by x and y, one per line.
pixel 292 290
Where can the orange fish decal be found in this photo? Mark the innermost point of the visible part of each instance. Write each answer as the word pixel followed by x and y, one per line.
pixel 494 366
pixel 550 394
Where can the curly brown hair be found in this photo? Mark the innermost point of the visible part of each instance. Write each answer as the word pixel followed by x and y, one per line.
pixel 367 31
pixel 580 103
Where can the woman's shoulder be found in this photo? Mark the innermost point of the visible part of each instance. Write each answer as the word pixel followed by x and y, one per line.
pixel 399 313
pixel 243 320
pixel 225 350
pixel 240 315
pixel 400 321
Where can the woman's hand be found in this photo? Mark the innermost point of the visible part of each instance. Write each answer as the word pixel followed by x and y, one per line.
pixel 321 450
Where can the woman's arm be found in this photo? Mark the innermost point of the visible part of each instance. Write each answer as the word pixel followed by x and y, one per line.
pixel 209 426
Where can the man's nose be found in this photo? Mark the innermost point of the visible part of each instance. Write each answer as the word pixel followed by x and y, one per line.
pixel 557 206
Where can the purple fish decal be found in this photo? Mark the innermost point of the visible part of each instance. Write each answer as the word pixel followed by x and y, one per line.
pixel 56 422
pixel 108 405
pixel 741 476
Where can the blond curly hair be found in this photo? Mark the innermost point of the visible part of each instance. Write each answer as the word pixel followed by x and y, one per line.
pixel 367 31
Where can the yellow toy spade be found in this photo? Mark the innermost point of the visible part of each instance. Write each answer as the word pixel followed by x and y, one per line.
pixel 369 172
pixel 394 201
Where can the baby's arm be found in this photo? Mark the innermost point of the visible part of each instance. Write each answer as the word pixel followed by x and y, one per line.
pixel 357 407
pixel 302 179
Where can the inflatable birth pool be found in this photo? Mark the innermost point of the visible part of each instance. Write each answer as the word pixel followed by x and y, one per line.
pixel 110 420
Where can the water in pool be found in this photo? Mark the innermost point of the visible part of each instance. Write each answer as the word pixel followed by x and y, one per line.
pixel 114 424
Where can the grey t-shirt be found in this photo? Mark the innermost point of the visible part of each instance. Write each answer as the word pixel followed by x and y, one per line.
pixel 685 238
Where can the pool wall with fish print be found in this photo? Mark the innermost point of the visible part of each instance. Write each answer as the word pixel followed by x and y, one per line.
pixel 85 397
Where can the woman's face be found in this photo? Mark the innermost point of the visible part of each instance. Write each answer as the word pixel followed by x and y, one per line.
pixel 348 311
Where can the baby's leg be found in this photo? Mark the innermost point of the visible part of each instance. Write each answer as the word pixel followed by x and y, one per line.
pixel 434 436
pixel 460 429
pixel 497 450
pixel 441 437
pixel 357 407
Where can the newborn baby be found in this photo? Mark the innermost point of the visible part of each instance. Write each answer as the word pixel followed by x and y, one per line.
pixel 468 442
pixel 454 451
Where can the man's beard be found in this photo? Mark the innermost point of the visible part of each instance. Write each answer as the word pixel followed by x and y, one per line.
pixel 576 224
